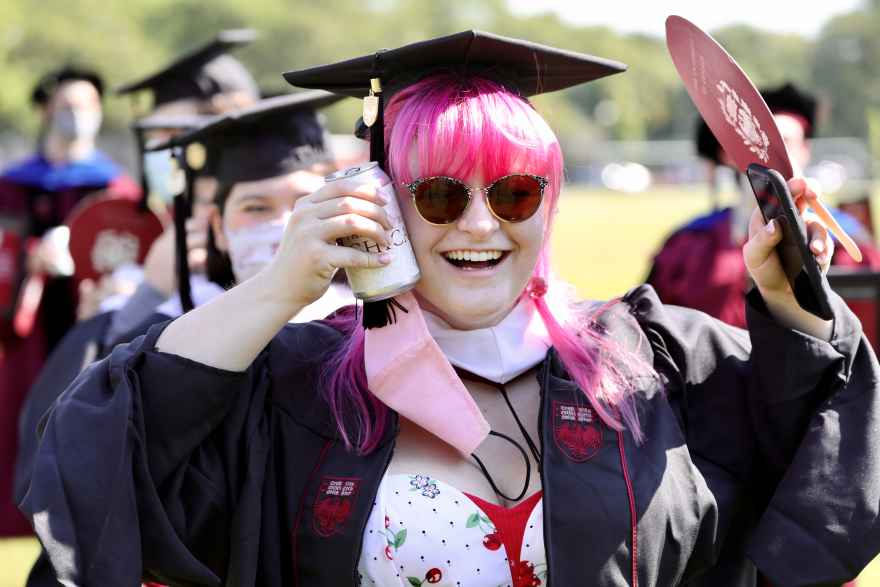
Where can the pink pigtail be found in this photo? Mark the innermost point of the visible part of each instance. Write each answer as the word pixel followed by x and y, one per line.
pixel 360 417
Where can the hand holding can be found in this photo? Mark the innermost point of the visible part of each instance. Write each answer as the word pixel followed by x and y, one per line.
pixel 372 284
pixel 309 255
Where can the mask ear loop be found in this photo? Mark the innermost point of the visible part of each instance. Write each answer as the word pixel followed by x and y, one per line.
pixel 488 477
pixel 536 453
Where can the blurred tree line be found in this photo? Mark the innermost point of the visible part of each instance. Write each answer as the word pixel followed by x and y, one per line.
pixel 126 40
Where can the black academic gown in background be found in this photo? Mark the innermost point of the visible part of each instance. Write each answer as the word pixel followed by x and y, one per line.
pixel 154 466
pixel 85 343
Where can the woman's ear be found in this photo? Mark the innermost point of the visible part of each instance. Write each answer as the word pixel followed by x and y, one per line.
pixel 217 230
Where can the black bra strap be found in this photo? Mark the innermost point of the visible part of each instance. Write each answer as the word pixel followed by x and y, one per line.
pixel 489 477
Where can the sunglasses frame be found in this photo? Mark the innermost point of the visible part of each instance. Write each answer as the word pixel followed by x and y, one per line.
pixel 543 182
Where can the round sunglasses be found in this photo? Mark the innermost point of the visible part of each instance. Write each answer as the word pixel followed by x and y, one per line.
pixel 512 198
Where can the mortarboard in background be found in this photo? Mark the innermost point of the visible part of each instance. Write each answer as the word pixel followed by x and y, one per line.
pixel 201 73
pixel 274 137
pixel 198 75
pixel 271 138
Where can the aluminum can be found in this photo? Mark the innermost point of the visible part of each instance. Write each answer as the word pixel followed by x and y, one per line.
pixel 402 274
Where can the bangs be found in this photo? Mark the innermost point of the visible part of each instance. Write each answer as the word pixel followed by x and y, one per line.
pixel 461 125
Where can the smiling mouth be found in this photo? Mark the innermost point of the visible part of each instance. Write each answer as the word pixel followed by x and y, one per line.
pixel 474 260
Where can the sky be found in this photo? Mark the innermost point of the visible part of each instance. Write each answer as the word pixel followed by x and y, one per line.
pixel 647 16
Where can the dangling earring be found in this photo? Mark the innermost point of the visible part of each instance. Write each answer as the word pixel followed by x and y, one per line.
pixel 536 288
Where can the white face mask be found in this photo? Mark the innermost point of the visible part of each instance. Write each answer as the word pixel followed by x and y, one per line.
pixel 252 248
pixel 164 178
pixel 76 124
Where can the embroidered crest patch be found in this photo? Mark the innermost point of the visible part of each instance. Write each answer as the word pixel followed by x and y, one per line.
pixel 334 504
pixel 577 430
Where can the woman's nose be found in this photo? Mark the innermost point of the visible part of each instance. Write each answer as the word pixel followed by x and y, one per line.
pixel 477 219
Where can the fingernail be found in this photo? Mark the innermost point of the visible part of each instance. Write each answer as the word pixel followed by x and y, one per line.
pixel 819 246
pixel 384 258
pixel 770 227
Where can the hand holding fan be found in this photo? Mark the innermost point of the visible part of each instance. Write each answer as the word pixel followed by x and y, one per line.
pixel 734 109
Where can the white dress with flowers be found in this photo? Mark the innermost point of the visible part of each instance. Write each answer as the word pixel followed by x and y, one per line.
pixel 423 532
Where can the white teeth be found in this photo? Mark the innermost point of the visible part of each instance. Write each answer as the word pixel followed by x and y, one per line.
pixel 473 256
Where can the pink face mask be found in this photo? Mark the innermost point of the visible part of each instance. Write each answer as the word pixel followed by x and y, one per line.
pixel 409 373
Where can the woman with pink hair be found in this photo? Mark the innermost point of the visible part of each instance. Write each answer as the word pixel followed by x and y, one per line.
pixel 495 431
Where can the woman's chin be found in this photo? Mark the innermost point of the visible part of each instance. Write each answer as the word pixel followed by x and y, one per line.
pixel 482 311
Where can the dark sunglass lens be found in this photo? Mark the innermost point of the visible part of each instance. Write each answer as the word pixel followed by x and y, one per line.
pixel 515 198
pixel 440 200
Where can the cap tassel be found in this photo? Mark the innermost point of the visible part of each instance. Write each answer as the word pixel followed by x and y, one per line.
pixel 145 185
pixel 182 211
pixel 381 313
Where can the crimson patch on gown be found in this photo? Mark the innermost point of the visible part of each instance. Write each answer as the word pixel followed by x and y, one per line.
pixel 334 504
pixel 577 430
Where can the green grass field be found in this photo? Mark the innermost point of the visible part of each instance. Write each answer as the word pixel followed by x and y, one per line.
pixel 603 243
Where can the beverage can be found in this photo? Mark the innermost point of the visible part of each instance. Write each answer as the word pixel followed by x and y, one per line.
pixel 399 276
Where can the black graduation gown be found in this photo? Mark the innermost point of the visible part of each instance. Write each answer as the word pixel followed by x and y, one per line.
pixel 84 343
pixel 156 466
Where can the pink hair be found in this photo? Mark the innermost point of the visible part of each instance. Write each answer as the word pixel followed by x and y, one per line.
pixel 459 124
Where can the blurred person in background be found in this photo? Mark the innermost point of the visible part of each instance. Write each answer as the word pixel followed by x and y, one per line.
pixel 263 159
pixel 198 85
pixel 700 265
pixel 186 93
pixel 36 196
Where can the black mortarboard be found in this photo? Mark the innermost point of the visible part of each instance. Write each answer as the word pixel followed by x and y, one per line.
pixel 185 122
pixel 271 138
pixel 522 66
pixel 786 98
pixel 47 85
pixel 201 73
pixel 790 99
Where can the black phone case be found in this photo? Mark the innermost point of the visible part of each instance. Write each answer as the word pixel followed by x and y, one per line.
pixel 810 286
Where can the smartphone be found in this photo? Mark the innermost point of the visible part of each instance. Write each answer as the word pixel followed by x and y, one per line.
pixel 775 202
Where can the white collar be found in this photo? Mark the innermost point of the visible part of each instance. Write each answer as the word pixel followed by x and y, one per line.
pixel 499 353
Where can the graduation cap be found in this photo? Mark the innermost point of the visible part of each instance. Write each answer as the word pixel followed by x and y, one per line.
pixel 785 99
pixel 524 67
pixel 46 86
pixel 201 73
pixel 274 137
pixel 184 122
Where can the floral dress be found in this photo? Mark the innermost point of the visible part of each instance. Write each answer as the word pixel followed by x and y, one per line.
pixel 423 532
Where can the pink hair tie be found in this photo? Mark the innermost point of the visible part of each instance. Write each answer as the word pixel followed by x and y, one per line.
pixel 537 287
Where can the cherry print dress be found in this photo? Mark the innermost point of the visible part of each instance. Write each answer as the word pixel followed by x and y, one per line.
pixel 423 532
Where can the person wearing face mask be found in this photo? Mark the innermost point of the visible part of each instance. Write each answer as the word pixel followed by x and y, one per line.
pixel 699 265
pixel 36 196
pixel 263 159
pixel 199 84
pixel 495 430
